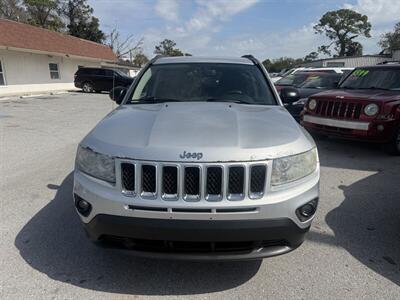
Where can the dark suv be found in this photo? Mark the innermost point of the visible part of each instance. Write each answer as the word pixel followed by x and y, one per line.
pixel 100 79
pixel 366 106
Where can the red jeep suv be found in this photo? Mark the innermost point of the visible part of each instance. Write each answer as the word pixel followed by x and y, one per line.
pixel 366 106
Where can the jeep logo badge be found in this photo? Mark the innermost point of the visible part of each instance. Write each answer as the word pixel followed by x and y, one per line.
pixel 187 155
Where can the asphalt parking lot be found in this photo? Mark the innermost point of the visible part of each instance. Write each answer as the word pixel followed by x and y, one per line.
pixel 351 252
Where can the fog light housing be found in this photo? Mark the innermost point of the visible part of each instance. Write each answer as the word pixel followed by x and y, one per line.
pixel 83 206
pixel 380 127
pixel 306 211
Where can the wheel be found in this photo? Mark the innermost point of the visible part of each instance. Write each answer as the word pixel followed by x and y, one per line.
pixel 394 147
pixel 87 87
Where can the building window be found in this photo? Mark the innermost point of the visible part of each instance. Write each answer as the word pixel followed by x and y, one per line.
pixel 54 72
pixel 2 79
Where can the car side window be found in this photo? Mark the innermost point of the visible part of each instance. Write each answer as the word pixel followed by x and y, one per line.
pixel 109 73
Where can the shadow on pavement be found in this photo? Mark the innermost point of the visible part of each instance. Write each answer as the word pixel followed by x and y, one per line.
pixel 367 223
pixel 53 242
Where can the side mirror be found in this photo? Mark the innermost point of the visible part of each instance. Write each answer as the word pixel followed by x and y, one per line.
pixel 117 94
pixel 289 95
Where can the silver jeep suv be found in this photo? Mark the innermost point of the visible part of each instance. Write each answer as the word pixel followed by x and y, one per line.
pixel 199 161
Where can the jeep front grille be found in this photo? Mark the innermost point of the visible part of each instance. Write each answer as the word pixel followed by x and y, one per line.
pixel 338 109
pixel 193 182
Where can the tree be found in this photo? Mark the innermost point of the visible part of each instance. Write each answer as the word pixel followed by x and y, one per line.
pixel 167 48
pixel 123 46
pixel 354 49
pixel 140 59
pixel 282 63
pixel 342 27
pixel 311 56
pixel 44 13
pixel 12 10
pixel 390 41
pixel 80 22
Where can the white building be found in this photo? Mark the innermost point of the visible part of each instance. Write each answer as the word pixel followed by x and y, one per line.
pixel 349 61
pixel 33 59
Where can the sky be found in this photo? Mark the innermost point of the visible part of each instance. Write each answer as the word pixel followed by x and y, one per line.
pixel 264 28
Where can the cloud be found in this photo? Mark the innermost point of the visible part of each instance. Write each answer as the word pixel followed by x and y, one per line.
pixel 194 34
pixel 167 9
pixel 378 11
pixel 218 10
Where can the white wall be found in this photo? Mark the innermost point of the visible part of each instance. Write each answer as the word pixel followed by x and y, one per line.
pixel 27 72
pixel 396 55
pixel 350 62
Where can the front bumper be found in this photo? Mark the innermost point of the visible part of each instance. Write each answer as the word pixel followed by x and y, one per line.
pixel 268 226
pixel 348 129
pixel 197 239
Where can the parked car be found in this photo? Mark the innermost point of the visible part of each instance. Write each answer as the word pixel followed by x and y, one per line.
pixel 338 70
pixel 200 161
pixel 311 86
pixel 100 79
pixel 294 79
pixel 365 107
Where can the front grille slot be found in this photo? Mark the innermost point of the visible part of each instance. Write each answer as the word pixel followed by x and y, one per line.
pixel 236 210
pixel 192 210
pixel 236 183
pixel 128 177
pixel 149 180
pixel 170 182
pixel 257 181
pixel 214 183
pixel 338 109
pixel 147 208
pixel 192 183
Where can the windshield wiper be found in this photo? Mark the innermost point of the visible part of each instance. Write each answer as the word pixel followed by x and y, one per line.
pixel 374 88
pixel 229 100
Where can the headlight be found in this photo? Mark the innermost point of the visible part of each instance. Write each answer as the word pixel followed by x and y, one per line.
pixel 291 168
pixel 371 109
pixel 95 164
pixel 312 104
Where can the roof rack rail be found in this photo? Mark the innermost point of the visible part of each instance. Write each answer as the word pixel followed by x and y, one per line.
pixel 389 62
pixel 251 58
pixel 155 58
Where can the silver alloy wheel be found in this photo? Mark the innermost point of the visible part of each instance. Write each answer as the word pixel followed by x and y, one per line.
pixel 87 87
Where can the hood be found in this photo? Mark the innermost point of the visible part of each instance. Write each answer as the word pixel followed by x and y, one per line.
pixel 219 131
pixel 371 94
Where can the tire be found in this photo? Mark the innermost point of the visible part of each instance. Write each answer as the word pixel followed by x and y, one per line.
pixel 87 87
pixel 394 147
pixel 318 136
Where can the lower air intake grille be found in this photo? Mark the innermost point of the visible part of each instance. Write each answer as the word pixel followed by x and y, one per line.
pixel 128 176
pixel 148 179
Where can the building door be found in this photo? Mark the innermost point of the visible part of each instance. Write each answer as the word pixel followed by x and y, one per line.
pixel 2 77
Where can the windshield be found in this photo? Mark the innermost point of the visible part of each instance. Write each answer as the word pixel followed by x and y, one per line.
pixel 321 82
pixel 294 79
pixel 203 82
pixel 388 79
pixel 119 72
